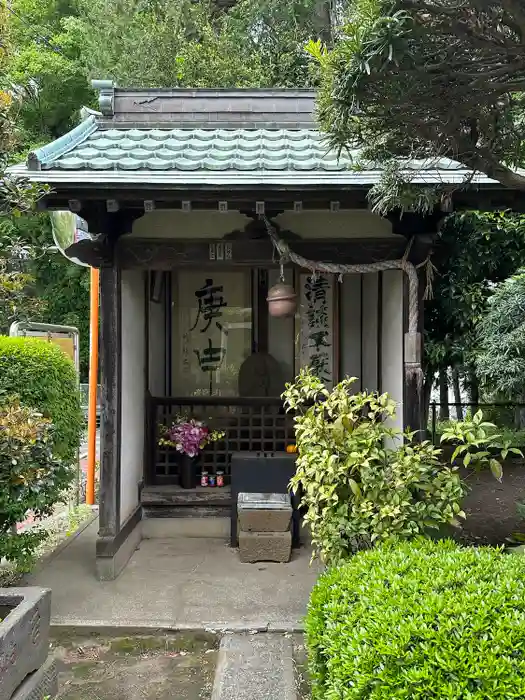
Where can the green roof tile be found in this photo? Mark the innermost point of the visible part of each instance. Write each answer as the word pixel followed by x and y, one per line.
pixel 175 150
pixel 196 149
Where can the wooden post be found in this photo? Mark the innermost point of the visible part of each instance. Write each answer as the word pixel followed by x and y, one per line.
pixel 93 384
pixel 413 415
pixel 414 390
pixel 110 364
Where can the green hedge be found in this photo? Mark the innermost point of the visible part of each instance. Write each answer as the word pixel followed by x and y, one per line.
pixel 419 621
pixel 44 378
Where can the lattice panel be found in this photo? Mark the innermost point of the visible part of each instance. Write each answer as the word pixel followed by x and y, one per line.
pixel 253 428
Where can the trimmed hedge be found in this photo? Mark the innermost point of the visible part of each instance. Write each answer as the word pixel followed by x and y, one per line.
pixel 419 621
pixel 44 378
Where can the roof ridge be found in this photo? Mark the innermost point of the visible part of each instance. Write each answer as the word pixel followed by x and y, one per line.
pixel 105 124
pixel 52 151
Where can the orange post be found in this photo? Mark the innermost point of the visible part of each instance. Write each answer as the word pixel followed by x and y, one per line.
pixel 93 384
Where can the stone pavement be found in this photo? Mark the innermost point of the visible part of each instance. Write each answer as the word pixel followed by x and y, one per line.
pixel 255 667
pixel 180 583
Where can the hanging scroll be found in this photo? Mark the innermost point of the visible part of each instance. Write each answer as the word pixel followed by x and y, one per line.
pixel 212 331
pixel 316 326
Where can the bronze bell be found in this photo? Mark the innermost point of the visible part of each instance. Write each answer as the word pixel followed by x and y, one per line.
pixel 282 300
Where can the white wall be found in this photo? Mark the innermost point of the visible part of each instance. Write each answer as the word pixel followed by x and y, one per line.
pixel 350 330
pixel 392 378
pixel 133 399
pixel 165 223
pixel 358 223
pixel 370 293
pixel 157 343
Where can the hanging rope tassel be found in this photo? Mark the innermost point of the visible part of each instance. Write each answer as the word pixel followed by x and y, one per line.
pixel 284 252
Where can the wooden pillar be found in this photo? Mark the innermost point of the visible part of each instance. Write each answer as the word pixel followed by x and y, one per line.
pixel 414 380
pixel 413 413
pixel 110 363
pixel 420 230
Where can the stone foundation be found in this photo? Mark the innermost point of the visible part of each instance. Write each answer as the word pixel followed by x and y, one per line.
pixel 259 520
pixel 265 546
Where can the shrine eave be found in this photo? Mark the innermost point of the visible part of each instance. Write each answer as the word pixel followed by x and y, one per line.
pixel 238 178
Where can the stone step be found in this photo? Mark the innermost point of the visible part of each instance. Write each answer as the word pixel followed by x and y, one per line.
pixel 175 496
pixel 174 502
pixel 255 667
pixel 210 511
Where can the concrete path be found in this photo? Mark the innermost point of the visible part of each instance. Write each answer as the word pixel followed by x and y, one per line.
pixel 255 667
pixel 181 584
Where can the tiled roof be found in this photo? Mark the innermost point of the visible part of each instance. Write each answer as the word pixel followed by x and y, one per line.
pixel 200 149
pixel 210 138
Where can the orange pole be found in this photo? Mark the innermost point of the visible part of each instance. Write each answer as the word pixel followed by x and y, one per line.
pixel 93 383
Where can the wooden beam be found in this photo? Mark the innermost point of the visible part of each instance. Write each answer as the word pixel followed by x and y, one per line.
pixel 163 254
pixel 239 197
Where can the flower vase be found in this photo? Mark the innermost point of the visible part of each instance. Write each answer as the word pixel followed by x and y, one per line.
pixel 188 472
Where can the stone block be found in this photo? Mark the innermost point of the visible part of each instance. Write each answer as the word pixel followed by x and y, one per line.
pixel 264 512
pixel 39 684
pixel 264 520
pixel 255 667
pixel 24 634
pixel 265 546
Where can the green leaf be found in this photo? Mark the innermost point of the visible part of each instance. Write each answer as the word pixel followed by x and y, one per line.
pixel 356 490
pixel 496 469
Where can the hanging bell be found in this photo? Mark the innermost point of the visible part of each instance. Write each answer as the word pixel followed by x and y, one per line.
pixel 282 300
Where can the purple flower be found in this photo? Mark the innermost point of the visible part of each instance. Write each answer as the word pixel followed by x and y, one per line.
pixel 188 436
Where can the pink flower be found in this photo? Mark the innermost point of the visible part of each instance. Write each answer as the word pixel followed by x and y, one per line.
pixel 188 436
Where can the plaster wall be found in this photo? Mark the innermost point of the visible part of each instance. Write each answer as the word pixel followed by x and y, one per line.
pixel 157 343
pixel 392 376
pixel 133 404
pixel 350 330
pixel 358 223
pixel 370 299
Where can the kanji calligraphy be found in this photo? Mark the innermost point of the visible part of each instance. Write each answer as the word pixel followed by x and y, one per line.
pixel 316 325
pixel 212 331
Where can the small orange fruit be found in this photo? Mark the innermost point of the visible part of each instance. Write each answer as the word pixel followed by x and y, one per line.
pixel 291 449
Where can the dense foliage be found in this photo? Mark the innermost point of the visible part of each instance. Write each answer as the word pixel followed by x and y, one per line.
pixel 32 479
pixel 361 483
pixel 478 445
pixel 44 378
pixel 500 360
pixel 473 251
pixel 419 621
pixel 430 79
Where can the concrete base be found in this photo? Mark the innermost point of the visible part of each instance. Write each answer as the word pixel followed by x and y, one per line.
pixel 179 583
pixel 255 668
pixel 265 546
pixel 109 567
pixel 167 528
pixel 40 685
